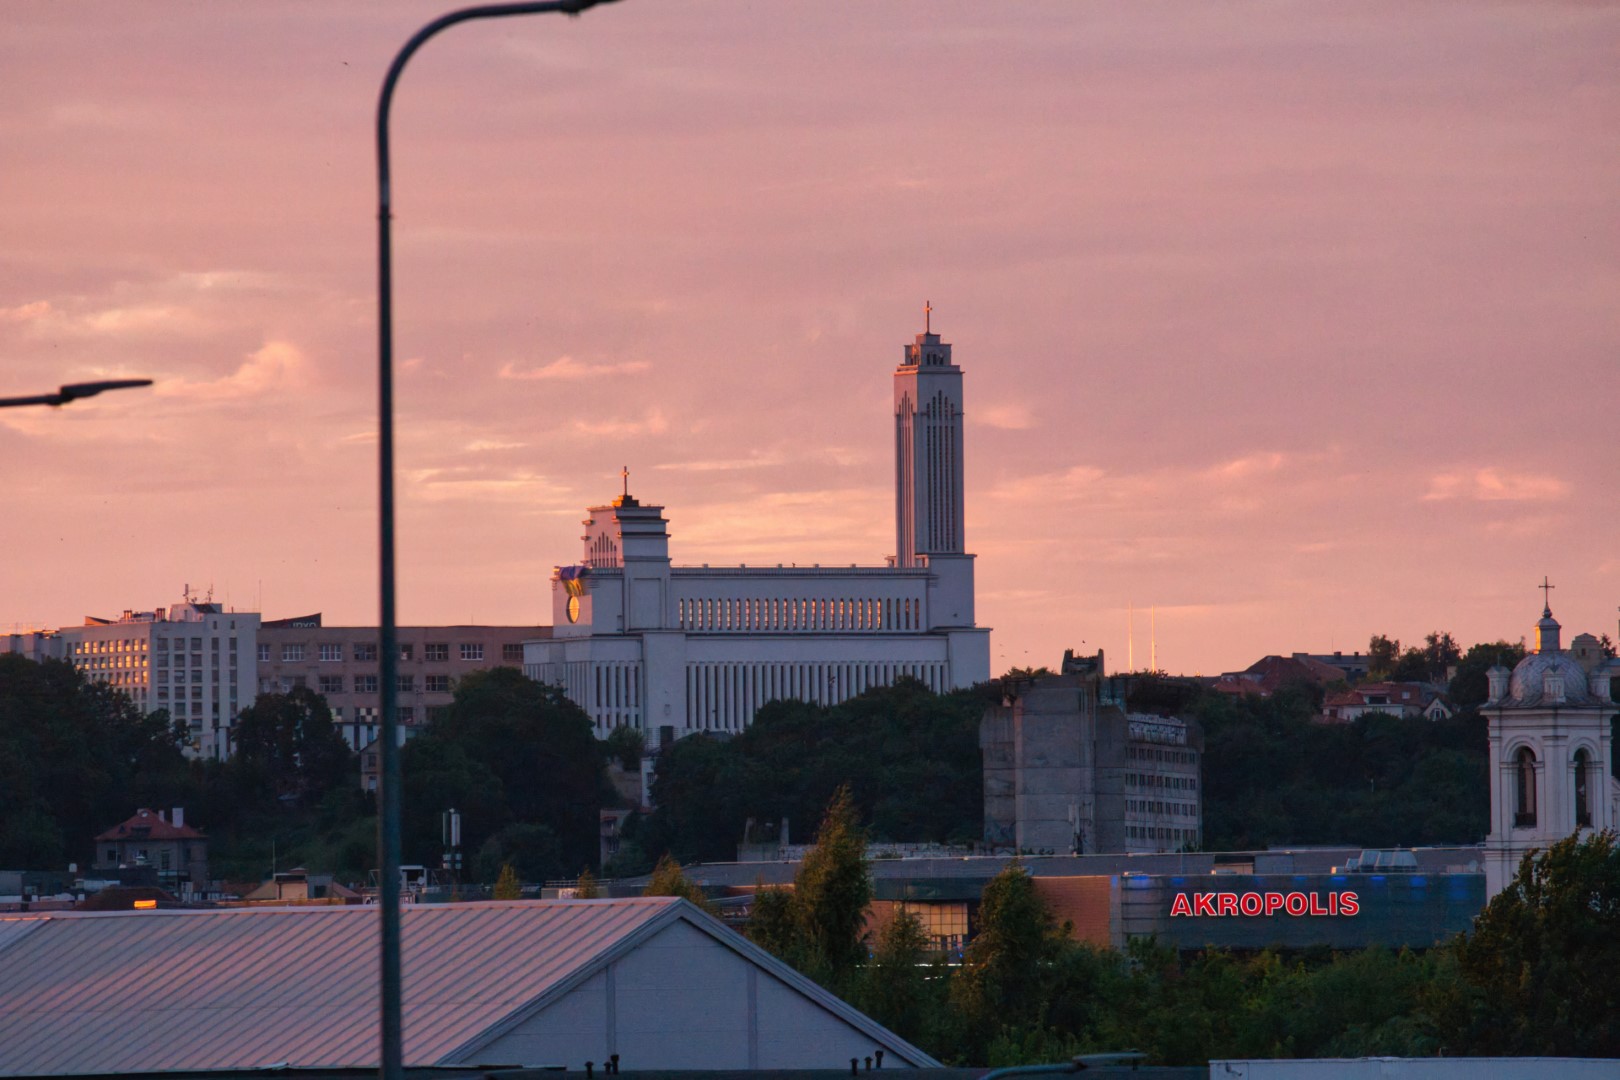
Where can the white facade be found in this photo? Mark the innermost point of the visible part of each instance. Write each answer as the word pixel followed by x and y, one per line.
pixel 673 650
pixel 194 659
pixel 1551 751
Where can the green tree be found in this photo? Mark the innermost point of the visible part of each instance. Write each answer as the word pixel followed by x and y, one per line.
pixel 75 758
pixel 586 888
pixel 1006 975
pixel 509 751
pixel 771 925
pixel 1543 961
pixel 669 880
pixel 508 886
pixel 831 893
pixel 897 989
pixel 1469 687
pixel 1383 654
pixel 533 851
pixel 291 737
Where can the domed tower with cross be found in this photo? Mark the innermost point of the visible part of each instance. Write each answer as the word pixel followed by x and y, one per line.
pixel 1551 751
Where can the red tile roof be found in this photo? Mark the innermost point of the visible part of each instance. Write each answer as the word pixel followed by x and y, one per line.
pixel 147 825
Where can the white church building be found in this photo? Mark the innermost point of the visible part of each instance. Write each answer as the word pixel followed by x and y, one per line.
pixel 1551 750
pixel 672 650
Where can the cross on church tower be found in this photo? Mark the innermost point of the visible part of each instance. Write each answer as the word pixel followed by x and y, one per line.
pixel 1546 595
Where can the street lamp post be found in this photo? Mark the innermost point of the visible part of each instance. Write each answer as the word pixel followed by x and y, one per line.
pixel 392 1065
pixel 73 392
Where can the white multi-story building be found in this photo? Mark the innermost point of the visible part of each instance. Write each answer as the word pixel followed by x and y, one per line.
pixel 194 659
pixel 672 650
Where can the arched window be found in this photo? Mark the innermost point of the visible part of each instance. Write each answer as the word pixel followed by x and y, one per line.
pixel 1583 790
pixel 1524 812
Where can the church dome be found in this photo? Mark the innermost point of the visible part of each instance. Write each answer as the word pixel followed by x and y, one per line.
pixel 1528 686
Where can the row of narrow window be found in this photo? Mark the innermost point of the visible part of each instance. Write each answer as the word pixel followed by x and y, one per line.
pixel 790 614
pixel 1524 804
pixel 725 697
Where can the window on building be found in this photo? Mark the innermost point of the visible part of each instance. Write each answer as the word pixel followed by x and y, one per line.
pixel 331 653
pixel 365 684
pixel 436 650
pixel 264 654
pixel 512 652
pixel 407 714
pixel 472 651
pixel 331 684
pixel 365 652
pixel 406 652
pixel 1524 812
pixel 407 684
pixel 1583 791
pixel 291 653
pixel 438 684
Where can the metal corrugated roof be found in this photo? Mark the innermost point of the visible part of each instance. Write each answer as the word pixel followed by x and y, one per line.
pixel 171 990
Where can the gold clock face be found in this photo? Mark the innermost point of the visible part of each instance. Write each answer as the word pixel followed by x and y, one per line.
pixel 573 609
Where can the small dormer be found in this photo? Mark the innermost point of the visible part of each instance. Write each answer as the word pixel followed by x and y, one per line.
pixel 1552 686
pixel 1497 681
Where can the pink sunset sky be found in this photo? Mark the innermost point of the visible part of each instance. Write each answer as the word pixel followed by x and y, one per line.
pixel 1292 323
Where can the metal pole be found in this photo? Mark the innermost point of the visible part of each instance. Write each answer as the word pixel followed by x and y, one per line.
pixel 392 1061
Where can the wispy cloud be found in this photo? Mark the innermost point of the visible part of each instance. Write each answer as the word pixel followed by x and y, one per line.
pixel 278 365
pixel 566 367
pixel 653 423
pixel 1496 485
pixel 22 313
pixel 1012 417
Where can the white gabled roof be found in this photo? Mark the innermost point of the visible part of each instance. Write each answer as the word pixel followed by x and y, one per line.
pixel 130 992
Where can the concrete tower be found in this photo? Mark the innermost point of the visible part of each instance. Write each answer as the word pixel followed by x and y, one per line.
pixel 928 451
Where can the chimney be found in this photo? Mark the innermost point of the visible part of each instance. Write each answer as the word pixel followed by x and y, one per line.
pixel 177 817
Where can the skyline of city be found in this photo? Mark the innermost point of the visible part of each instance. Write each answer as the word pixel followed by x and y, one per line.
pixel 1282 330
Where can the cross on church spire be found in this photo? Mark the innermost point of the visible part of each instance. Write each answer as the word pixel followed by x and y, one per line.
pixel 1546 595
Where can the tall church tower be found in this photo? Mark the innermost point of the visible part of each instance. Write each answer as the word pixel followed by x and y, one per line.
pixel 928 451
pixel 1550 751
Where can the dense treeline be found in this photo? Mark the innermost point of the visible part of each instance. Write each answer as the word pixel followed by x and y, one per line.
pixel 1272 775
pixel 909 757
pixel 518 759
pixel 1539 975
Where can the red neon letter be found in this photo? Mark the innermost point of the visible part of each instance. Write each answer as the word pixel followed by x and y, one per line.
pixel 1316 905
pixel 1179 906
pixel 1204 904
pixel 1274 901
pixel 1229 904
pixel 1296 904
pixel 1349 903
pixel 1258 905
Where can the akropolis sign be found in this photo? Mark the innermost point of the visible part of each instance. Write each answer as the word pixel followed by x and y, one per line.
pixel 1262 904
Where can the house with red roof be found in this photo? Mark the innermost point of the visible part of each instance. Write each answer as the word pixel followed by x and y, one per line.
pixel 163 842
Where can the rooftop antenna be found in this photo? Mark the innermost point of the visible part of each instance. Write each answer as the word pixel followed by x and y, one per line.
pixel 928 316
pixel 625 474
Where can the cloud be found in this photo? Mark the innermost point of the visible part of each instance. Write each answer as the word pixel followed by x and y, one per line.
pixel 1006 417
pixel 278 365
pixel 1496 485
pixel 39 309
pixel 653 423
pixel 566 367
pixel 758 461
